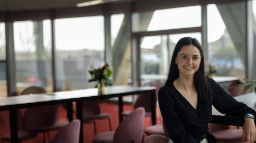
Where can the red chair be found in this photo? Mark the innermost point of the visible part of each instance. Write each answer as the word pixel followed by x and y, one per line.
pixel 130 130
pixel 92 112
pixel 42 119
pixel 157 139
pixel 144 101
pixel 23 134
pixel 69 133
pixel 38 119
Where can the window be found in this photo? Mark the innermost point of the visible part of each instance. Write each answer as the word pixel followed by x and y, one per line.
pixel 3 88
pixel 33 54
pixel 173 18
pixel 79 45
pixel 156 54
pixel 226 42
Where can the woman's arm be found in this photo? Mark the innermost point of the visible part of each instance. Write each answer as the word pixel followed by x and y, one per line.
pixel 226 104
pixel 171 120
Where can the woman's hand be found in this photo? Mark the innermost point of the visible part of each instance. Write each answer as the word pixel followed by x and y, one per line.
pixel 249 133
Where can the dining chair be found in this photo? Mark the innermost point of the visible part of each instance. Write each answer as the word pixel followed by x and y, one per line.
pixel 225 133
pixel 42 119
pixel 156 138
pixel 68 134
pixel 92 112
pixel 236 88
pixel 144 101
pixel 23 134
pixel 155 129
pixel 130 130
pixel 35 120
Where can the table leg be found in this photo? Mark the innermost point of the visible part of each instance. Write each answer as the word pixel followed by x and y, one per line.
pixel 69 111
pixel 80 117
pixel 120 108
pixel 153 107
pixel 13 125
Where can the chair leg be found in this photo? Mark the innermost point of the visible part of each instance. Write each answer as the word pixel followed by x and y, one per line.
pixel 48 136
pixel 95 128
pixel 109 123
pixel 44 137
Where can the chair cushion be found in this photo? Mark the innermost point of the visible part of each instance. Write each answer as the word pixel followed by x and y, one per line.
pixel 105 137
pixel 155 129
pixel 229 135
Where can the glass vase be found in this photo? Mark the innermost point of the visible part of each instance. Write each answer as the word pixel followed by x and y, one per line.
pixel 101 87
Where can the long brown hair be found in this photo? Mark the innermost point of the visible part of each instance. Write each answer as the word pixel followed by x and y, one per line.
pixel 200 80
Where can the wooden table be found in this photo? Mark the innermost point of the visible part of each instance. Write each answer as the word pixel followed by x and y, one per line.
pixel 67 97
pixel 249 99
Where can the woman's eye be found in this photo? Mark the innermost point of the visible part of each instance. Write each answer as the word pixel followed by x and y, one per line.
pixel 196 58
pixel 184 57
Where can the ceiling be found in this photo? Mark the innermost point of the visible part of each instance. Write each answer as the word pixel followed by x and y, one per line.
pixel 31 5
pixel 14 10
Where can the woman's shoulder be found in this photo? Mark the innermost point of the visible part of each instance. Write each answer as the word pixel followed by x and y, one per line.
pixel 166 89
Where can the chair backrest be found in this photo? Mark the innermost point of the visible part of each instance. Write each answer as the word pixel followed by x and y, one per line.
pixel 131 129
pixel 69 133
pixel 38 117
pixel 33 90
pixel 157 139
pixel 235 88
pixel 24 112
pixel 91 108
pixel 145 101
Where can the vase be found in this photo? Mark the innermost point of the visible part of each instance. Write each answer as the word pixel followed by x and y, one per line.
pixel 101 87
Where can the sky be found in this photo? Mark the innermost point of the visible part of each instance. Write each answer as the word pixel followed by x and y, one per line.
pixel 182 18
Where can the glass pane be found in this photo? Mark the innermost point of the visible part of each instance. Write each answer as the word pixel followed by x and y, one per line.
pixel 33 54
pixel 153 52
pixel 226 48
pixel 254 37
pixel 177 18
pixel 79 45
pixel 116 22
pixel 121 50
pixel 3 88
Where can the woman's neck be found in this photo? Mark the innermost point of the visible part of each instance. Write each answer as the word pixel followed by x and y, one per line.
pixel 185 82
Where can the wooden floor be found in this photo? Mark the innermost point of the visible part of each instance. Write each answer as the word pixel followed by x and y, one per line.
pixel 102 125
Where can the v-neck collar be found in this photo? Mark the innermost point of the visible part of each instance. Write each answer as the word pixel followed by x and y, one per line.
pixel 183 98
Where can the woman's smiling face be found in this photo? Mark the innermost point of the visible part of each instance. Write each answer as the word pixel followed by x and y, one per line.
pixel 188 60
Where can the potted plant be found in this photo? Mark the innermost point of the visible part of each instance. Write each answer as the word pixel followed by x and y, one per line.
pixel 250 84
pixel 101 75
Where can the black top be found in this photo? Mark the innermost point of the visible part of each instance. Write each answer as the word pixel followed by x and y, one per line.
pixel 186 124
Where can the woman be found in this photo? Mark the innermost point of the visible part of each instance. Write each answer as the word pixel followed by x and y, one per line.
pixel 187 97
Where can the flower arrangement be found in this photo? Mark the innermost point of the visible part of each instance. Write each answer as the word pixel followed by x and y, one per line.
pixel 101 76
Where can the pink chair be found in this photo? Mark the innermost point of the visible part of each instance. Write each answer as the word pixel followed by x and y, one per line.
pixel 92 112
pixel 155 129
pixel 42 119
pixel 37 119
pixel 69 133
pixel 157 139
pixel 236 88
pixel 226 133
pixel 22 133
pixel 130 130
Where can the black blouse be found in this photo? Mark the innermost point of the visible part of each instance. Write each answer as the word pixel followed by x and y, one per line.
pixel 186 124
